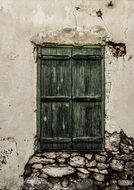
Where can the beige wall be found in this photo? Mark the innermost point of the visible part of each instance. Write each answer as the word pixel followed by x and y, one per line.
pixel 69 21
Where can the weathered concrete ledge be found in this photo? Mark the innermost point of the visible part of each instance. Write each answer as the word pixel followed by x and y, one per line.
pixel 112 169
pixel 95 35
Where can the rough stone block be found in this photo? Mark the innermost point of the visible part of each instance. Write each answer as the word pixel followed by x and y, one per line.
pixel 112 141
pixel 77 161
pixel 58 171
pixel 117 165
pixel 125 182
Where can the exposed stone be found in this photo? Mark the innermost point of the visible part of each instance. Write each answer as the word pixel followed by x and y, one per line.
pixel 82 170
pixel 125 182
pixel 61 160
pixel 77 161
pixel 49 154
pixel 112 141
pixel 125 157
pixel 89 156
pixel 75 154
pixel 39 160
pixel 117 49
pixel 117 165
pixel 54 180
pixel 112 187
pixel 122 175
pixel 35 173
pixel 113 181
pixel 36 183
pixel 82 175
pixel 102 166
pixel 100 158
pixel 28 170
pixel 124 138
pixel 103 172
pixel 131 148
pixel 43 175
pixel 91 164
pixel 115 152
pixel 124 148
pixel 93 170
pixel 64 183
pixel 84 184
pixel 112 169
pixel 58 171
pixel 114 175
pixel 57 186
pixel 37 166
pixel 65 155
pixel 129 166
pixel 99 177
pixel 98 184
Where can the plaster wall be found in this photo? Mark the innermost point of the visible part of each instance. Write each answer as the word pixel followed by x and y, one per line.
pixel 57 21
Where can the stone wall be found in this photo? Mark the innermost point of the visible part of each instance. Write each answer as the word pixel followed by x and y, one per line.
pixel 112 169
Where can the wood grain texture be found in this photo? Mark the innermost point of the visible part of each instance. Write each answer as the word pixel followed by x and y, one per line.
pixel 71 98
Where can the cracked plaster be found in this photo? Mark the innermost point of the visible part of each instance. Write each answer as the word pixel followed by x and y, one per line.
pixel 59 21
pixel 95 35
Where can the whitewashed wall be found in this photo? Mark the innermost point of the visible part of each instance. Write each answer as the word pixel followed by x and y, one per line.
pixel 69 21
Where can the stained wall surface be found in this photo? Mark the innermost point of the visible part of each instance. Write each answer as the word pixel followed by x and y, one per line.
pixel 25 23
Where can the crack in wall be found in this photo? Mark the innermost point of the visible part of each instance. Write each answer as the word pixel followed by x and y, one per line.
pixel 126 30
pixel 75 18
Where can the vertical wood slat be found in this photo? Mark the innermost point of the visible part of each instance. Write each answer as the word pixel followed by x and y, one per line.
pixel 55 77
pixel 86 78
pixel 38 98
pixel 55 119
pixel 87 119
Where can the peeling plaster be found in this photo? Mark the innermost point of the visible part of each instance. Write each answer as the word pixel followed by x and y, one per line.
pixel 117 49
pixel 73 22
pixel 95 35
pixel 8 161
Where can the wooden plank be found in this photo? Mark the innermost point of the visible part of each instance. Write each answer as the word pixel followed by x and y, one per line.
pixel 57 50
pixel 56 146
pixel 55 57
pixel 55 121
pixel 103 97
pixel 38 99
pixel 87 147
pixel 87 79
pixel 96 98
pixel 55 78
pixel 56 140
pixel 86 57
pixel 55 98
pixel 87 139
pixel 87 50
pixel 87 120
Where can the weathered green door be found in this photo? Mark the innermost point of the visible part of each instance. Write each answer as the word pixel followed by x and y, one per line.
pixel 70 98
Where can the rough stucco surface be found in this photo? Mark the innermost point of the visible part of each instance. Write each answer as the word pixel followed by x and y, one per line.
pixel 69 21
